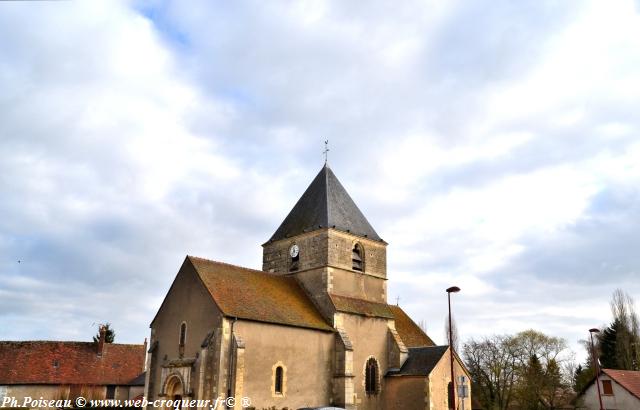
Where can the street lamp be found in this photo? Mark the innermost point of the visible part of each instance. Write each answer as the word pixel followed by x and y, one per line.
pixel 595 364
pixel 452 392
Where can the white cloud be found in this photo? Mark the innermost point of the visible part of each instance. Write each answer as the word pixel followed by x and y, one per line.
pixel 493 146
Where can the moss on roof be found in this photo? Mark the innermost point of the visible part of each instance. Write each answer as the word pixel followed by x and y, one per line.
pixel 361 307
pixel 409 331
pixel 256 295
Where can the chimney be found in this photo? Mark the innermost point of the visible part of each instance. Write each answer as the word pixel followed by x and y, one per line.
pixel 101 341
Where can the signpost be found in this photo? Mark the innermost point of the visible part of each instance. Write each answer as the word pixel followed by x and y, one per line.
pixel 463 390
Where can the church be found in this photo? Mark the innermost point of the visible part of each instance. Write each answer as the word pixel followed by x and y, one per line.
pixel 312 328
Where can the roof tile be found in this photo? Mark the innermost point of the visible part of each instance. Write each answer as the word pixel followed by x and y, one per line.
pixel 409 331
pixel 361 307
pixel 628 379
pixel 421 361
pixel 325 204
pixel 53 362
pixel 257 295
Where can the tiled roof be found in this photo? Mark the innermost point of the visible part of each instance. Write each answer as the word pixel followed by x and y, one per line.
pixel 48 362
pixel 361 307
pixel 138 380
pixel 256 295
pixel 628 379
pixel 325 204
pixel 409 331
pixel 421 361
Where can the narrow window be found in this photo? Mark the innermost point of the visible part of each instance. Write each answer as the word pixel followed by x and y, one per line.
pixel 183 333
pixel 111 392
pixel 371 377
pixel 357 258
pixel 278 384
pixel 607 388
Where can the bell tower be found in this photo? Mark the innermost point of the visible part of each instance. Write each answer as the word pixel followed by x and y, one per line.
pixel 329 246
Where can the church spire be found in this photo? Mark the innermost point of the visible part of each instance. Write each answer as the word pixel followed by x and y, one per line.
pixel 325 204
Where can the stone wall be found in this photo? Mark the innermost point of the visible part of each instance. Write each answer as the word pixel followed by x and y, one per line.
pixel 439 380
pixel 306 356
pixel 187 301
pixel 406 393
pixel 324 247
pixel 369 337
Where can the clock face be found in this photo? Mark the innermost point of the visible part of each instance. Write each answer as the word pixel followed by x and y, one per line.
pixel 294 251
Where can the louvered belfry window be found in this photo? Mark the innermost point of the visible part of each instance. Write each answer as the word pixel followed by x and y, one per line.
pixel 357 258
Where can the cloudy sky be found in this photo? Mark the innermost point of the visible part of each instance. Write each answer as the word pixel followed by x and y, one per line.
pixel 493 144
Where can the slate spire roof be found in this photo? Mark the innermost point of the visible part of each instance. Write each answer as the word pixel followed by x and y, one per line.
pixel 325 204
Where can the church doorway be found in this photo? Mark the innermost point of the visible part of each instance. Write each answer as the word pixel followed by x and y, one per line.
pixel 174 391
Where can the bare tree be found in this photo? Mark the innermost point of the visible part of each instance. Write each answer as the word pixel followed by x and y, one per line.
pixel 510 371
pixel 627 338
pixel 454 333
pixel 422 325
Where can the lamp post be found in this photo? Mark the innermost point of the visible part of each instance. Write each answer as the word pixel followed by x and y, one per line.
pixel 595 364
pixel 452 393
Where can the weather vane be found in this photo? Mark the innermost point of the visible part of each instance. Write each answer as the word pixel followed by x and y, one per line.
pixel 326 150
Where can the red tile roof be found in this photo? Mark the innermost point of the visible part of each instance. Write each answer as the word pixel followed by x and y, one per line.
pixel 628 379
pixel 409 331
pixel 257 295
pixel 45 362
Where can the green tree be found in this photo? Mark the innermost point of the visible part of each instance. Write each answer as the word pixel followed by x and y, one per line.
pixel 627 331
pixel 608 346
pixel 530 385
pixel 110 334
pixel 582 376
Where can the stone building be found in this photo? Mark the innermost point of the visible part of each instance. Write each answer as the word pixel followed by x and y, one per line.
pixel 52 370
pixel 311 328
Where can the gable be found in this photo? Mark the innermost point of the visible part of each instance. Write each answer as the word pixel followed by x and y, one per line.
pixel 627 379
pixel 185 291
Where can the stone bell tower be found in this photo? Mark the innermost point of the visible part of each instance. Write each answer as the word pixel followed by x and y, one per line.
pixel 329 246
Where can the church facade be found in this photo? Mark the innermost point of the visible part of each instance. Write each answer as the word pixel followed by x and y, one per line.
pixel 311 328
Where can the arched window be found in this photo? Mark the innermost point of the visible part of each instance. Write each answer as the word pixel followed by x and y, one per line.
pixel 278 382
pixel 371 377
pixel 357 258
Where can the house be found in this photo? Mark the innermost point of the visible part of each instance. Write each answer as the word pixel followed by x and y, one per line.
pixel 619 389
pixel 53 370
pixel 311 328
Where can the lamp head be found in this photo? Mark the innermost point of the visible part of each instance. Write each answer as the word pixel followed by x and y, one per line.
pixel 594 330
pixel 453 289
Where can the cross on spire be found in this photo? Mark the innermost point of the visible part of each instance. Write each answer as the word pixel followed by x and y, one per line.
pixel 326 150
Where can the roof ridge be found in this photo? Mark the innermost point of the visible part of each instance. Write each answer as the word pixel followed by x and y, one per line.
pixel 326 170
pixel 430 347
pixel 67 342
pixel 352 298
pixel 230 264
